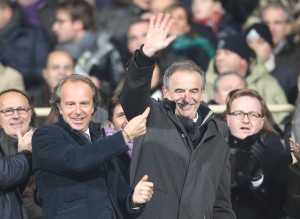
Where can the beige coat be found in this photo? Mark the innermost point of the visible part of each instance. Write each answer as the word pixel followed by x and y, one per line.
pixel 10 78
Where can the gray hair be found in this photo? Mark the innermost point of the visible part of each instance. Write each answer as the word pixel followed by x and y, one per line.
pixel 184 65
pixel 220 76
pixel 56 96
pixel 279 5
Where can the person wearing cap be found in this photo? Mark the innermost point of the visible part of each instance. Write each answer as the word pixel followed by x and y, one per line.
pixel 234 54
pixel 259 38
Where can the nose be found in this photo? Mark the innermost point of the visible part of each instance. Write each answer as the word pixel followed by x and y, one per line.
pixel 77 109
pixel 187 97
pixel 15 114
pixel 246 118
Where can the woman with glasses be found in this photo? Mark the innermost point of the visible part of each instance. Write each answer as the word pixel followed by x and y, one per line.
pixel 258 160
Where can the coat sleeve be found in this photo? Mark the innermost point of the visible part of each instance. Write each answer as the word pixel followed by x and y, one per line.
pixel 54 150
pixel 135 97
pixel 222 208
pixel 14 170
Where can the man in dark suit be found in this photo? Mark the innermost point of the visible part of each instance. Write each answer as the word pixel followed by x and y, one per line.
pixel 184 150
pixel 77 175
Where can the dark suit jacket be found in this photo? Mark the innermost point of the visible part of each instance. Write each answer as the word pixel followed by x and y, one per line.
pixel 77 179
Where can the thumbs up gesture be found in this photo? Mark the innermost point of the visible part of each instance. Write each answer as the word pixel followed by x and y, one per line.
pixel 143 192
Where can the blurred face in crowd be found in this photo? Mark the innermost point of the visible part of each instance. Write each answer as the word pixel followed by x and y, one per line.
pixel 202 9
pixel 157 6
pixel 64 28
pixel 11 120
pixel 180 25
pixel 276 19
pixel 136 35
pixel 261 47
pixel 59 65
pixel 76 104
pixel 227 84
pixel 142 4
pixel 185 90
pixel 5 15
pixel 119 120
pixel 241 128
pixel 227 61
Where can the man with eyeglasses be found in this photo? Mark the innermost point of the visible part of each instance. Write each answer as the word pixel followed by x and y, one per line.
pixel 16 185
pixel 258 162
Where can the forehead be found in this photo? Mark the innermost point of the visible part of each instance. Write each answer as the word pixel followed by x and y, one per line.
pixel 274 14
pixel 13 99
pixel 63 13
pixel 246 104
pixel 76 90
pixel 59 57
pixel 185 79
pixel 139 27
pixel 231 80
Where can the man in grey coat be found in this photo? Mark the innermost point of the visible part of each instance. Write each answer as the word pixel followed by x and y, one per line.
pixel 184 151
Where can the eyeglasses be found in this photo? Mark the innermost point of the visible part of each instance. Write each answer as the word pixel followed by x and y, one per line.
pixel 11 111
pixel 240 115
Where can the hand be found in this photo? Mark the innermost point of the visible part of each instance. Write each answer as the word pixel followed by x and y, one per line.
pixel 295 148
pixel 143 191
pixel 248 160
pixel 24 142
pixel 136 126
pixel 157 36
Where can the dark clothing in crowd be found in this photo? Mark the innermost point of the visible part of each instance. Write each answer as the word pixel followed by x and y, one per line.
pixel 77 178
pixel 15 169
pixel 24 48
pixel 266 200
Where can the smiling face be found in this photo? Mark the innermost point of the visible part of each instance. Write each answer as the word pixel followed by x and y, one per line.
pixel 245 127
pixel 185 90
pixel 119 120
pixel 17 122
pixel 76 105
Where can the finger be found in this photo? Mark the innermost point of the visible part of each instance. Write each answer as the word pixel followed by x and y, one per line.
pixel 169 25
pixel 165 20
pixel 144 179
pixel 146 112
pixel 170 39
pixel 151 22
pixel 158 20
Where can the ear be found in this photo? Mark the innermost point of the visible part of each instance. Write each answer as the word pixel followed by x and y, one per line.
pixel 78 25
pixel 59 109
pixel 165 91
pixel 111 125
pixel 263 122
pixel 44 73
pixel 288 28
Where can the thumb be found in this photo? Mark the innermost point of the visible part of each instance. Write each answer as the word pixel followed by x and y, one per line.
pixel 146 112
pixel 144 179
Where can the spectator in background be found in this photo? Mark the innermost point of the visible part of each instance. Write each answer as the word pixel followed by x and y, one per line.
pixel 212 14
pixel 157 6
pixel 59 65
pixel 40 13
pixel 17 183
pixel 93 51
pixel 234 54
pixel 225 83
pixel 118 121
pixel 279 20
pixel 188 44
pixel 292 199
pixel 259 38
pixel 258 160
pixel 22 46
pixel 10 78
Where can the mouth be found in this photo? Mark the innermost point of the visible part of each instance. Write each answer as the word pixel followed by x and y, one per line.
pixel 245 128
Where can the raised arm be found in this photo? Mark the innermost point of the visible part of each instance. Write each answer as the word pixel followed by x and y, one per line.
pixel 136 91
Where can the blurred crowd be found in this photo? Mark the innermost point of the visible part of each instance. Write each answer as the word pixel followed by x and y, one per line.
pixel 237 43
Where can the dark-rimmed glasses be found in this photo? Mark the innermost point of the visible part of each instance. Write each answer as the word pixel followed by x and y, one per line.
pixel 11 111
pixel 251 115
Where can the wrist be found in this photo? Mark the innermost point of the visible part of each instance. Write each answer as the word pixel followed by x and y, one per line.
pixel 126 136
pixel 134 205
